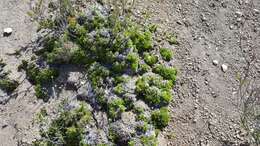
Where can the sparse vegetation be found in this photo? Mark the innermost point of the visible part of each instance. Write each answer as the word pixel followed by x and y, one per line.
pixel 172 39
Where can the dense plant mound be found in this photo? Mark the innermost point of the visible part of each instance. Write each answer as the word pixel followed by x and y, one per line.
pixel 124 79
pixel 7 85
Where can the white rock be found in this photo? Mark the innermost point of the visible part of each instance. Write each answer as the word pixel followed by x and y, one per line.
pixel 8 31
pixel 239 14
pixel 256 11
pixel 224 67
pixel 215 62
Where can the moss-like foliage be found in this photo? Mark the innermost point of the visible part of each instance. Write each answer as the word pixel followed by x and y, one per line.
pixel 67 128
pixel 142 41
pixel 168 73
pixel 150 59
pixel 117 56
pixel 115 108
pixel 149 140
pixel 161 118
pixel 172 39
pixel 39 77
pixel 8 85
pixel 133 60
pixel 154 90
pixel 40 92
pixel 166 54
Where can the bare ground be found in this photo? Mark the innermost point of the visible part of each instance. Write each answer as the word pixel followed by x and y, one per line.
pixel 205 111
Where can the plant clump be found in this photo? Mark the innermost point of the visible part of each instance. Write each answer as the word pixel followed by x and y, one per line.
pixel 166 54
pixel 67 129
pixel 118 58
pixel 6 84
pixel 154 90
pixel 39 77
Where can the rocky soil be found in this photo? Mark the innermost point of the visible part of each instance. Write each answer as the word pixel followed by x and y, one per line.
pixel 215 36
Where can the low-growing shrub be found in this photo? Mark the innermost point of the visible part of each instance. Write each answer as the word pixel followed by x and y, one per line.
pixel 141 40
pixel 142 128
pixel 115 52
pixel 168 73
pixel 172 40
pixel 67 128
pixel 97 73
pixel 144 68
pixel 59 56
pixel 115 108
pixel 46 76
pixel 8 85
pixel 118 67
pixel 119 89
pixel 133 59
pixel 40 92
pixel 166 54
pixel 161 118
pixel 149 140
pixel 154 90
pixel 150 59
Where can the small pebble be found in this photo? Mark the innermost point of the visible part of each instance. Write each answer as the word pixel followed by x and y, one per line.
pixel 224 67
pixel 239 14
pixel 215 62
pixel 231 26
pixel 8 31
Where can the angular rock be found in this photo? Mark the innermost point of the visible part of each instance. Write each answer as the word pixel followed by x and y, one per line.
pixel 8 31
pixel 224 67
pixel 215 62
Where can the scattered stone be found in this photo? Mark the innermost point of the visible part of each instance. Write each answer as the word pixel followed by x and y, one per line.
pixel 215 62
pixel 224 67
pixel 4 126
pixel 231 27
pixel 256 11
pixel 203 18
pixel 8 31
pixel 239 14
pixel 179 22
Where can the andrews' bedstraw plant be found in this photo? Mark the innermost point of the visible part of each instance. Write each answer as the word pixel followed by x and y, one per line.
pixel 150 59
pixel 115 108
pixel 154 90
pixel 119 61
pixel 6 84
pixel 161 118
pixel 67 128
pixel 168 73
pixel 133 60
pixel 166 54
pixel 39 77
